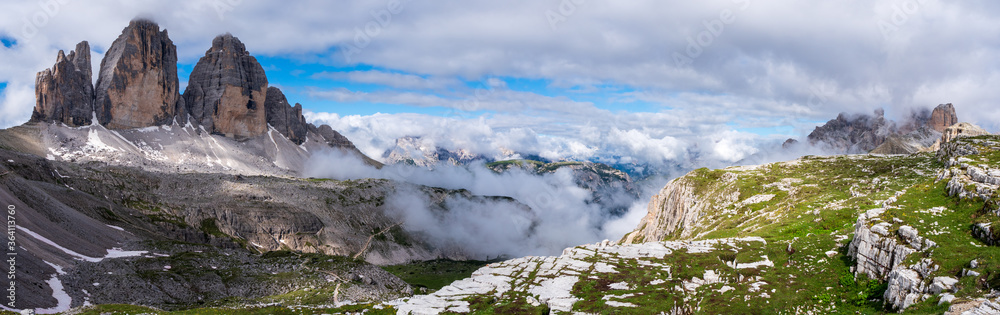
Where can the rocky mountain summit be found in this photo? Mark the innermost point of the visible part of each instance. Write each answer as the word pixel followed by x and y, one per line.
pixel 137 88
pixel 137 83
pixel 861 133
pixel 65 92
pixel 943 117
pixel 227 90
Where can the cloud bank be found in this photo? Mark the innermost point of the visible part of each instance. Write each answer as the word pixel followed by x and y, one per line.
pixel 550 213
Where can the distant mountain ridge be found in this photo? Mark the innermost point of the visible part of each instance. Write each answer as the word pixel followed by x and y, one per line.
pixel 853 134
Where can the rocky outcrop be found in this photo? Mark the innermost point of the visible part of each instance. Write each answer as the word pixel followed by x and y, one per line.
pixel 227 90
pixel 958 130
pixel 906 288
pixel 879 253
pixel 137 85
pixel 283 117
pixel 853 133
pixel 876 250
pixel 962 130
pixel 943 117
pixel 65 93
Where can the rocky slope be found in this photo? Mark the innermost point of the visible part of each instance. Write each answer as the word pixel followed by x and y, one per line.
pixel 137 83
pixel 99 233
pixel 227 90
pixel 852 133
pixel 65 92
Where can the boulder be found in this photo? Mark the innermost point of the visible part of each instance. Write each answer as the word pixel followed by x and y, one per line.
pixel 227 90
pixel 942 284
pixel 283 117
pixel 137 84
pixel 65 93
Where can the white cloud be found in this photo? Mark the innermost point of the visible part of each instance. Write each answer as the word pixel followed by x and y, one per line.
pixel 391 79
pixel 551 212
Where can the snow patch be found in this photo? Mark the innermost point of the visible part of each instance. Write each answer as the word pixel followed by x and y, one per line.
pixel 63 300
pixel 112 253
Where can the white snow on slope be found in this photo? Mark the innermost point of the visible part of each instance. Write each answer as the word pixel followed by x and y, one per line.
pixel 112 253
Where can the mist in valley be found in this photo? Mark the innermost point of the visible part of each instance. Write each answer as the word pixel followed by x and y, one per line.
pixel 549 212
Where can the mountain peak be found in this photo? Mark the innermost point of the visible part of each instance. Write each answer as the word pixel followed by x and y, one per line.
pixel 64 93
pixel 227 90
pixel 943 117
pixel 137 84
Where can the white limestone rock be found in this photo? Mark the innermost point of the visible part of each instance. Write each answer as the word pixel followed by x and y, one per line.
pixel 942 284
pixel 906 287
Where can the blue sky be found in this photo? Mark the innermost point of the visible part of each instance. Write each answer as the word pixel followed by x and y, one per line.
pixel 297 77
pixel 601 79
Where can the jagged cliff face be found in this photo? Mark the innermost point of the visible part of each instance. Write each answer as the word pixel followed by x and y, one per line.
pixel 227 90
pixel 668 212
pixel 852 134
pixel 65 93
pixel 137 83
pixel 283 117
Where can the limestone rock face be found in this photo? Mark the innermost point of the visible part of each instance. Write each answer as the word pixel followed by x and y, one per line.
pixel 943 117
pixel 283 117
pixel 137 84
pixel 875 249
pixel 65 93
pixel 227 90
pixel 906 288
pixel 672 209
